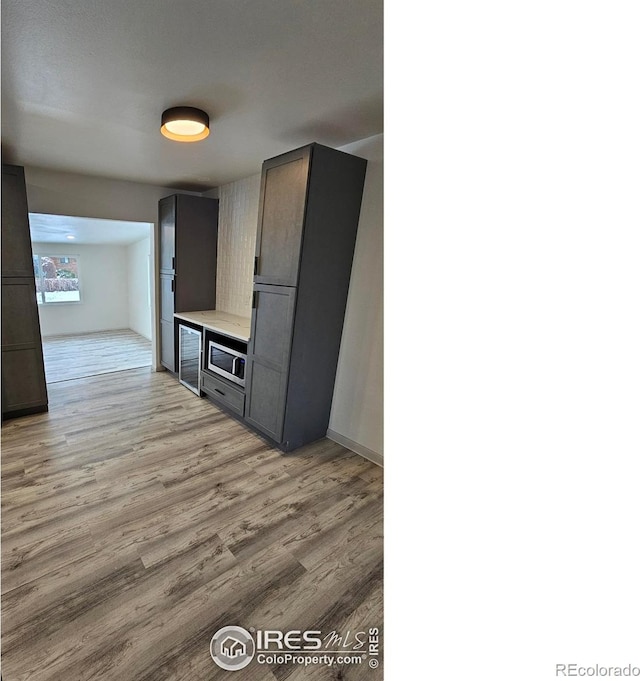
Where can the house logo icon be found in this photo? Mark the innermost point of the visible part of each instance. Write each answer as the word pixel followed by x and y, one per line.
pixel 232 648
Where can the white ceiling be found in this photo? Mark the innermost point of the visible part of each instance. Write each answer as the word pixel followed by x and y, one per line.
pixel 54 229
pixel 84 83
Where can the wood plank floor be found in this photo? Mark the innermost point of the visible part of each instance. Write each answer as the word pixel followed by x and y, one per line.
pixel 91 354
pixel 138 519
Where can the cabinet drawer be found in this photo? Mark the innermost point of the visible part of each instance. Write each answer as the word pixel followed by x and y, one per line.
pixel 223 392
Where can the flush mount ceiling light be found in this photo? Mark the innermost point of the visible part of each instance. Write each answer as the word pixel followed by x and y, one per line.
pixel 185 124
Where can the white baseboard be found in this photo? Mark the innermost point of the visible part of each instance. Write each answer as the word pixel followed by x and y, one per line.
pixel 356 447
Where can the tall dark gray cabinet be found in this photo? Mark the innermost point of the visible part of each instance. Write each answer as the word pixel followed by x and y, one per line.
pixel 24 388
pixel 188 257
pixel 308 218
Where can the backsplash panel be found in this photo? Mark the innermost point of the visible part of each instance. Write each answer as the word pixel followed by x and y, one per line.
pixel 237 229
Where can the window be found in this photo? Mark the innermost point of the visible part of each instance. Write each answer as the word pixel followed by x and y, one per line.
pixel 56 279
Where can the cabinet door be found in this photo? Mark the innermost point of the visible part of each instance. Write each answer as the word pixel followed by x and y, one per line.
pixel 168 344
pixel 196 253
pixel 268 358
pixel 283 196
pixel 167 297
pixel 17 260
pixel 272 324
pixel 20 321
pixel 167 220
pixel 23 385
pixel 23 378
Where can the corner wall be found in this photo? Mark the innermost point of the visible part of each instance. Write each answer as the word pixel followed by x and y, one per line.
pixel 357 411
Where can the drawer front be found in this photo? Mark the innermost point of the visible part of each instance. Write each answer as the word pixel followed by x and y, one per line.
pixel 223 392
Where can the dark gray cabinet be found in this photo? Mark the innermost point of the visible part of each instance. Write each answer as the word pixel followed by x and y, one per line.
pixel 167 221
pixel 17 259
pixel 281 218
pixel 24 389
pixel 268 367
pixel 188 227
pixel 223 393
pixel 167 299
pixel 308 219
pixel 168 344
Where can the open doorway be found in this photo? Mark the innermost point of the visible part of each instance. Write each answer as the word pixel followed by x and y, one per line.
pixel 93 284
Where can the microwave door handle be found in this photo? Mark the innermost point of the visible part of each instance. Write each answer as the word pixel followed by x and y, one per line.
pixel 233 366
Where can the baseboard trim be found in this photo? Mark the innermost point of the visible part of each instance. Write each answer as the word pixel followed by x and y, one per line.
pixel 356 447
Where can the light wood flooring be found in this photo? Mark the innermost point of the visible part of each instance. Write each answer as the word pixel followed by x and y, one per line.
pixel 90 354
pixel 138 519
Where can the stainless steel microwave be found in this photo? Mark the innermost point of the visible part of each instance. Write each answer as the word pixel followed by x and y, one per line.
pixel 226 362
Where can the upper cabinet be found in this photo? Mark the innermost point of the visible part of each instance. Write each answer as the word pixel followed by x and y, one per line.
pixel 283 196
pixel 189 249
pixel 167 219
pixel 17 260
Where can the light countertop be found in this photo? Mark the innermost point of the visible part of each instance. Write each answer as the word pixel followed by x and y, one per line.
pixel 222 322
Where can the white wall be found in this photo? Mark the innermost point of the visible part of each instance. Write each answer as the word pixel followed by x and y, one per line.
pixel 139 294
pixel 357 411
pixel 103 291
pixel 50 191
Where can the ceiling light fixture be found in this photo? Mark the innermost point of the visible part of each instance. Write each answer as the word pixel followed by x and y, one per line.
pixel 185 124
pixel 70 236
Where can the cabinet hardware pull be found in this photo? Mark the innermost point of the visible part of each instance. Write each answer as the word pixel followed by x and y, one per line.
pixel 173 286
pixel 219 391
pixel 173 262
pixel 254 301
pixel 255 265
